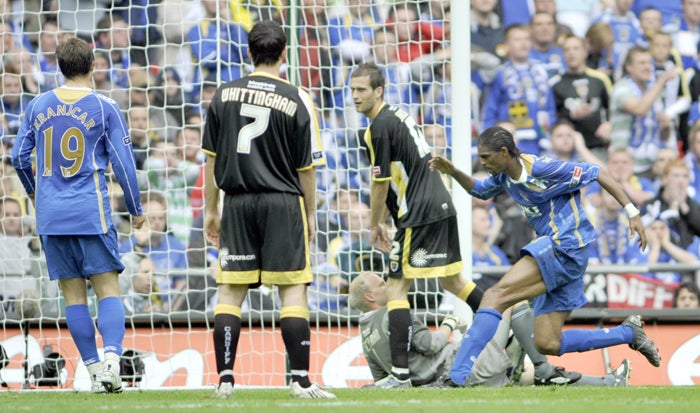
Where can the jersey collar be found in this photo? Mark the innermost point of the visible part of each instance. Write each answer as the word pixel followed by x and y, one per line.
pixel 523 174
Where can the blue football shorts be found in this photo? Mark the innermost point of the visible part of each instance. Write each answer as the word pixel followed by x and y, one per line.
pixel 562 271
pixel 73 256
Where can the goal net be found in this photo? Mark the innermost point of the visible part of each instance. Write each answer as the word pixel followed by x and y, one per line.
pixel 162 61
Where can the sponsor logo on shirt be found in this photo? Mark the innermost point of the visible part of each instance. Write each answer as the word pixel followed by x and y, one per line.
pixel 127 140
pixel 377 170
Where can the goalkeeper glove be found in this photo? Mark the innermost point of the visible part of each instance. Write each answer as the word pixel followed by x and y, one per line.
pixel 454 323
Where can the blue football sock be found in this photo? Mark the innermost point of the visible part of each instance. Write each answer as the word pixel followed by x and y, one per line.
pixel 585 340
pixel 110 321
pixel 82 329
pixel 479 334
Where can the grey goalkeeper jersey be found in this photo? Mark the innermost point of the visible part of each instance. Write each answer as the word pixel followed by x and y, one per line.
pixel 431 354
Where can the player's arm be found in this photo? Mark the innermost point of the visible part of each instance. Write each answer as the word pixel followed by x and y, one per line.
pixel 379 191
pixel 379 235
pixel 445 166
pixel 212 221
pixel 307 179
pixel 22 152
pixel 426 342
pixel 121 155
pixel 608 183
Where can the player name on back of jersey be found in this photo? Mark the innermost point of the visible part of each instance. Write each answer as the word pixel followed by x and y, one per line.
pixel 252 94
pixel 64 110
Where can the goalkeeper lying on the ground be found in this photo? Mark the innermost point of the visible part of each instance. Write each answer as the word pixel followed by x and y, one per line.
pixel 432 353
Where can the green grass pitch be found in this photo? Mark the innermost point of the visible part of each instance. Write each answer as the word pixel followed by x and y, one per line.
pixel 477 400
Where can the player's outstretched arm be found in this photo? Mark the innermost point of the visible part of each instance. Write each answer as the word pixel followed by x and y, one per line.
pixel 445 166
pixel 635 220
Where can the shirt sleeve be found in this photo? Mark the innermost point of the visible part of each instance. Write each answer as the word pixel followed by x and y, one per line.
pixel 310 134
pixel 426 342
pixel 22 151
pixel 211 129
pixel 379 143
pixel 565 177
pixel 486 188
pixel 121 155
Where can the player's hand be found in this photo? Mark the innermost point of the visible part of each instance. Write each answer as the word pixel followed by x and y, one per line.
pixel 637 227
pixel 441 164
pixel 379 236
pixel 142 234
pixel 137 221
pixel 454 323
pixel 212 228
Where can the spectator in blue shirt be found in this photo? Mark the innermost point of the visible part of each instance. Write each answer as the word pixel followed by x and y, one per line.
pixel 217 44
pixel 154 240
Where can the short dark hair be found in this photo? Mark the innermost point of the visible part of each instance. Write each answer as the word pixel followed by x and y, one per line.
pixel 376 77
pixel 495 138
pixel 562 122
pixel 107 22
pixel 690 286
pixel 633 51
pixel 512 27
pixel 266 42
pixel 181 131
pixel 154 196
pixel 75 58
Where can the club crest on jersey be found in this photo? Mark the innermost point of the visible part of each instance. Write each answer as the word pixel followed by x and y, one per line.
pixel 394 265
pixel 377 170
pixel 576 178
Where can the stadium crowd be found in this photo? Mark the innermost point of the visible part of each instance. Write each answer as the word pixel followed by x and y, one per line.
pixel 613 82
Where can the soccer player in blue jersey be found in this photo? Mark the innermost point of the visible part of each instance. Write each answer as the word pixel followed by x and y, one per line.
pixel 551 267
pixel 77 133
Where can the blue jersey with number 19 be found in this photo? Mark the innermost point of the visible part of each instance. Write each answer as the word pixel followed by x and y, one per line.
pixel 76 132
pixel 549 194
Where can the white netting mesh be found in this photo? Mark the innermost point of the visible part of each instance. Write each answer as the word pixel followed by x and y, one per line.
pixel 161 61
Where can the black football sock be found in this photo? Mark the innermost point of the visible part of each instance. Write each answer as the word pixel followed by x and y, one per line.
pixel 296 334
pixel 400 334
pixel 472 295
pixel 227 330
